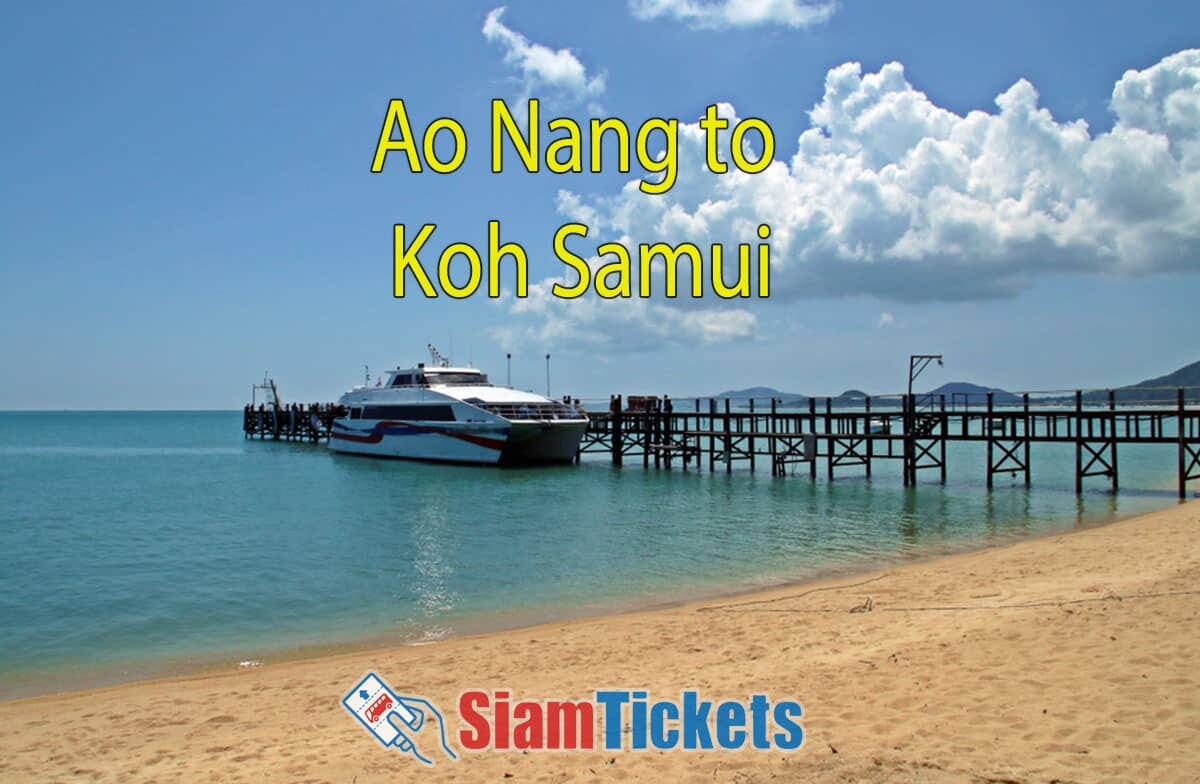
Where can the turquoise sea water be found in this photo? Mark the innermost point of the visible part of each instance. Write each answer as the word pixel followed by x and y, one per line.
pixel 136 543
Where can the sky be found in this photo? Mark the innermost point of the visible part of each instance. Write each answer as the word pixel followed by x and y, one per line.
pixel 187 202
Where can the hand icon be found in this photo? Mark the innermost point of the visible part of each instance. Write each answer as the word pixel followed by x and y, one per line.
pixel 420 709
pixel 374 704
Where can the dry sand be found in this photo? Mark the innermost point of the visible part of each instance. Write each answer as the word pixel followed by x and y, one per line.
pixel 1070 658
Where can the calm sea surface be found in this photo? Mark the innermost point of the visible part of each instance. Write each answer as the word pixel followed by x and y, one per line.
pixel 137 543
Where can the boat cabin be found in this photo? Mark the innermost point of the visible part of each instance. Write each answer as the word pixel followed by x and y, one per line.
pixel 422 376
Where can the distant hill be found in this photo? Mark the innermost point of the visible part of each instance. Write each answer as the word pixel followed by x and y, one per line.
pixel 855 397
pixel 1186 376
pixel 1160 389
pixel 759 392
pixel 960 391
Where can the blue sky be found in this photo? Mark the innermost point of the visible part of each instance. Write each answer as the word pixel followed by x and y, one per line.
pixel 186 199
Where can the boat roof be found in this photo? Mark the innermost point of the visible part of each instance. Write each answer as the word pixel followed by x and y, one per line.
pixel 436 369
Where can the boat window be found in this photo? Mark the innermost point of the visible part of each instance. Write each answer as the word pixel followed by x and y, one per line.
pixel 470 379
pixel 402 380
pixel 356 413
pixel 416 413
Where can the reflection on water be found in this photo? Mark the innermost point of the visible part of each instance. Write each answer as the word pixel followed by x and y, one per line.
pixel 432 569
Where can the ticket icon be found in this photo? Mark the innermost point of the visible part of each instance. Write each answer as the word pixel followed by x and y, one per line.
pixel 374 704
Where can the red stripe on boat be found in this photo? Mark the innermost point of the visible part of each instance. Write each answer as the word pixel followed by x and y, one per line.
pixel 374 437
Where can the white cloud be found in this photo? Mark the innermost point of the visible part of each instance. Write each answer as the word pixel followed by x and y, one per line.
pixel 721 14
pixel 892 196
pixel 634 324
pixel 544 72
pixel 885 320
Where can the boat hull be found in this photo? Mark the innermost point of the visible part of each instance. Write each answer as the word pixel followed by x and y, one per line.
pixel 543 442
pixel 452 442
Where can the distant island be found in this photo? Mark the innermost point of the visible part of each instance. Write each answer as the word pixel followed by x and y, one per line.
pixel 1160 389
pixel 958 391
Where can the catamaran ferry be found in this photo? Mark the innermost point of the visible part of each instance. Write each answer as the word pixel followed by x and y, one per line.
pixel 453 414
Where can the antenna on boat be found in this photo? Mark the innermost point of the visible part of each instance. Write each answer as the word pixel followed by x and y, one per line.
pixel 366 375
pixel 509 378
pixel 547 375
pixel 436 356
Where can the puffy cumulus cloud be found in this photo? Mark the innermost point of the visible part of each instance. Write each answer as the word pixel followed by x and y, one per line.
pixel 892 196
pixel 1163 99
pixel 721 14
pixel 544 72
pixel 634 324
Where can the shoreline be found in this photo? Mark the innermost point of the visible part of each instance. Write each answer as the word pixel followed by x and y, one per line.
pixel 198 664
pixel 1070 655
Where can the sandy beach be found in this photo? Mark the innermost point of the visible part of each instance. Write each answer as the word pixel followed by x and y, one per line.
pixel 1068 658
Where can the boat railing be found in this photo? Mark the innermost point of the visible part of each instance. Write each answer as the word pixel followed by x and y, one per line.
pixel 552 411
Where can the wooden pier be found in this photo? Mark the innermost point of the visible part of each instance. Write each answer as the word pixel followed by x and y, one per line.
pixel 697 430
pixel 281 421
pixel 295 422
pixel 913 429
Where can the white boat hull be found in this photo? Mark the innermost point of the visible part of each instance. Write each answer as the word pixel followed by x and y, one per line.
pixel 454 442
pixel 461 442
